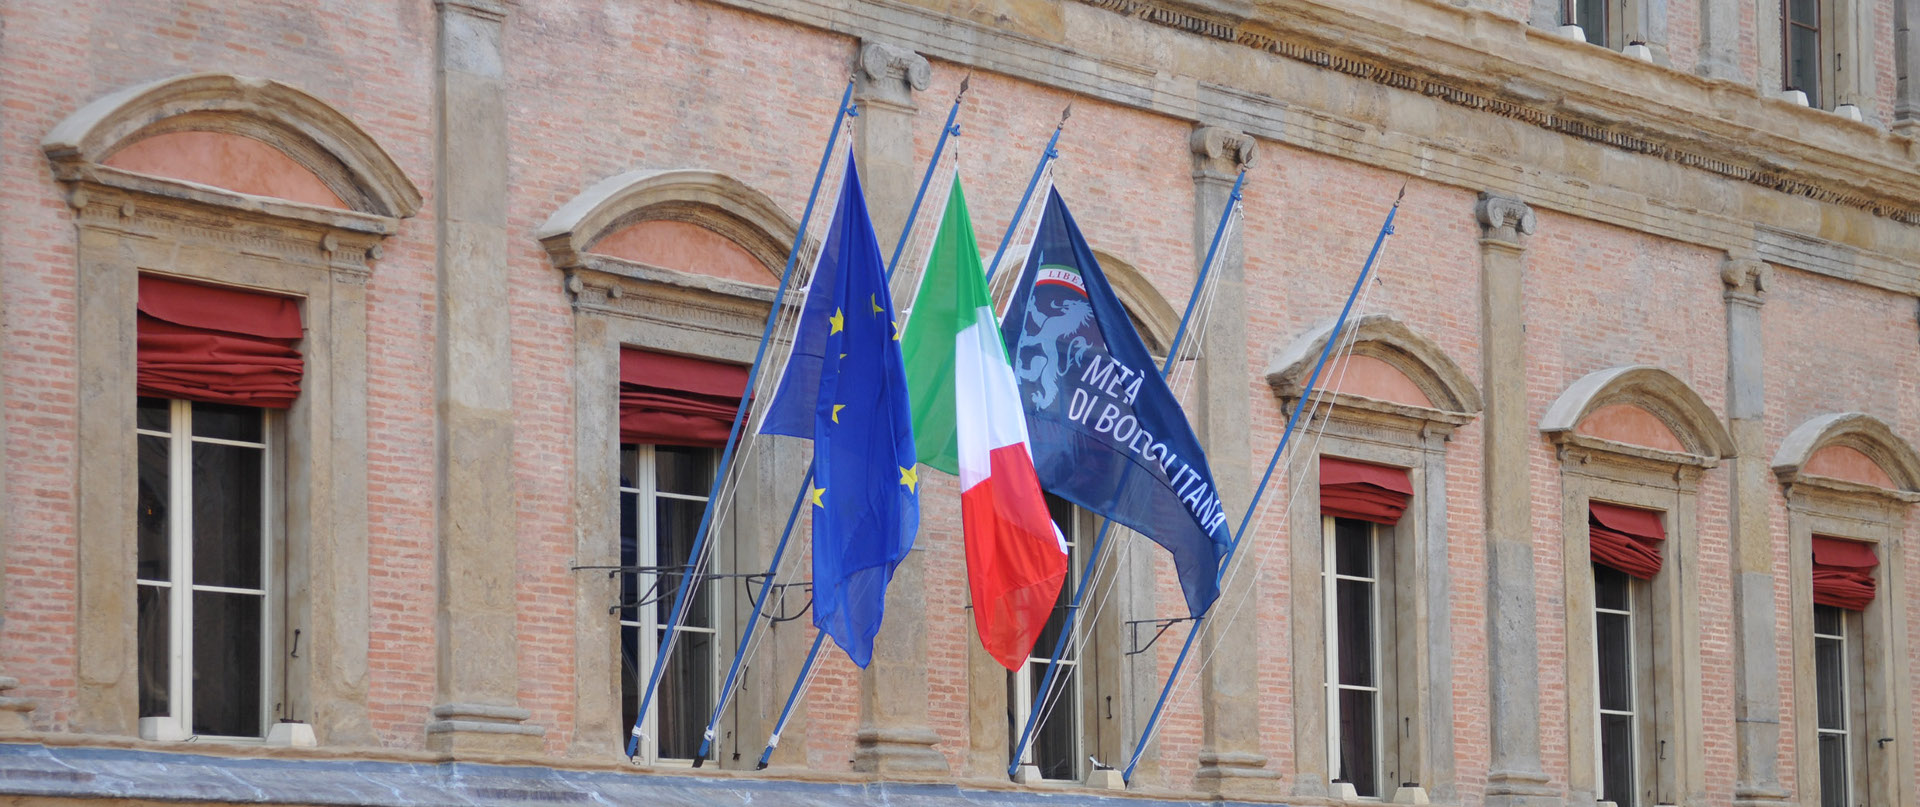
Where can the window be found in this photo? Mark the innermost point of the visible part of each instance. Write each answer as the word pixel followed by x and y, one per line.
pixel 1620 661
pixel 1358 574
pixel 1594 18
pixel 1055 746
pixel 1803 63
pixel 1838 663
pixel 663 491
pixel 206 583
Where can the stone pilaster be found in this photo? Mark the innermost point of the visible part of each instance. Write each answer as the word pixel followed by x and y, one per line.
pixel 1720 38
pixel 477 664
pixel 1756 688
pixel 1906 66
pixel 1513 660
pixel 895 738
pixel 1231 762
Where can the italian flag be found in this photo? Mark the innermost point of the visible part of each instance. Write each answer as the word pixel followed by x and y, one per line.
pixel 967 421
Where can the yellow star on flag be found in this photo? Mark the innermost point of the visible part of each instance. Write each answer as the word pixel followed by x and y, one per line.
pixel 813 497
pixel 837 320
pixel 896 330
pixel 910 478
pixel 874 300
pixel 836 411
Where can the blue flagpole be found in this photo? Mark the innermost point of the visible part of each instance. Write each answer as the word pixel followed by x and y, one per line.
pixel 1100 541
pixel 844 111
pixel 779 550
pixel 1326 350
pixel 793 697
pixel 1046 156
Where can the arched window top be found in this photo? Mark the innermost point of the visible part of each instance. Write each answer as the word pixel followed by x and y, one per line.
pixel 1153 315
pixel 1389 364
pixel 1640 407
pixel 1851 447
pixel 254 136
pixel 657 216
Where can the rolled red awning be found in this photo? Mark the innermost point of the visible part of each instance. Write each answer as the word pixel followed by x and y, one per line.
pixel 1364 491
pixel 217 345
pixel 1842 575
pixel 677 400
pixel 1625 538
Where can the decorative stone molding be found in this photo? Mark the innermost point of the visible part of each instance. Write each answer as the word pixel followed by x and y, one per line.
pixel 1456 400
pixel 1504 219
pixel 890 74
pixel 306 129
pixel 490 10
pixel 1219 151
pixel 1861 432
pixel 1657 391
pixel 1155 314
pixel 1746 278
pixel 13 710
pixel 709 199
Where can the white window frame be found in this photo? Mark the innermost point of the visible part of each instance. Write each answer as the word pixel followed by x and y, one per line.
pixel 644 484
pixel 1639 675
pixel 1382 553
pixel 1020 684
pixel 178 724
pixel 1851 673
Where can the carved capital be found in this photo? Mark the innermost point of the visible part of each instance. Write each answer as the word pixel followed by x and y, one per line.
pixel 1218 150
pixel 1745 276
pixel 890 74
pixel 1504 218
pixel 489 10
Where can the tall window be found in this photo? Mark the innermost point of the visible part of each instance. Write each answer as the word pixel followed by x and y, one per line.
pixel 1618 660
pixel 1055 747
pixel 205 585
pixel 1358 573
pixel 1802 61
pixel 663 490
pixel 1838 662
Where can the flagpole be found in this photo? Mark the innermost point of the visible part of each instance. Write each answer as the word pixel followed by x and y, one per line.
pixel 793 697
pixel 779 551
pixel 1333 338
pixel 1100 540
pixel 1046 156
pixel 844 111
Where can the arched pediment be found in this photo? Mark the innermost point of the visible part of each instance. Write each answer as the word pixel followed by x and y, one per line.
pixel 1379 339
pixel 1154 316
pixel 1651 390
pixel 308 131
pixel 1802 453
pixel 708 199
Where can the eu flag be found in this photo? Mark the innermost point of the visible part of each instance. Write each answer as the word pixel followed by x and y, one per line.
pixel 845 388
pixel 1106 432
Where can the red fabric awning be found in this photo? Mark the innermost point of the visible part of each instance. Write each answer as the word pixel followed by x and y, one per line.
pixel 217 345
pixel 677 400
pixel 1841 573
pixel 1625 538
pixel 1368 492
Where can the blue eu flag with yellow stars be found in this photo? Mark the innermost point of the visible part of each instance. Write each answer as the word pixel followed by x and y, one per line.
pixel 845 388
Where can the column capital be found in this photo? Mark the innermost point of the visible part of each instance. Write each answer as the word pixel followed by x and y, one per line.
pixel 889 74
pixel 1219 152
pixel 1504 219
pixel 1746 278
pixel 490 10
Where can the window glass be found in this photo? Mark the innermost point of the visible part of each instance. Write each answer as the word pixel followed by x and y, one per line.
pixel 226 515
pixel 663 495
pixel 1354 649
pixel 226 663
pixel 1614 663
pixel 1055 746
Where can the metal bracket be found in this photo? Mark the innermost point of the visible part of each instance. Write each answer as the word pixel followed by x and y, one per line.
pixel 653 592
pixel 780 591
pixel 1160 627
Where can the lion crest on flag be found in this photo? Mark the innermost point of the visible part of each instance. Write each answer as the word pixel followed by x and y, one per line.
pixel 1047 338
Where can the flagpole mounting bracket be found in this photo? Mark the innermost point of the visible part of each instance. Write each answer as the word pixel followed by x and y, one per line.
pixel 1160 628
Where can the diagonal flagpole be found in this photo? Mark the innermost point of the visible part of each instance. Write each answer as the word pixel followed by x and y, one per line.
pixel 1386 229
pixel 1099 541
pixel 844 111
pixel 780 549
pixel 1047 156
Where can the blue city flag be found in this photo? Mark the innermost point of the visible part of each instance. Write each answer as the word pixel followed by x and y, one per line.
pixel 845 388
pixel 1107 434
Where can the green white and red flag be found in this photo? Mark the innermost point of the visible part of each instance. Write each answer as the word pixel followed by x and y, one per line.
pixel 968 421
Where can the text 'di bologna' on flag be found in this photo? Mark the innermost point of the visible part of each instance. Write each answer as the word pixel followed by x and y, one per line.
pixel 844 388
pixel 967 421
pixel 1107 433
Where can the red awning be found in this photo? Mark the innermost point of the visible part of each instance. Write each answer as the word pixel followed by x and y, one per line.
pixel 677 400
pixel 217 345
pixel 1625 538
pixel 1368 492
pixel 1841 573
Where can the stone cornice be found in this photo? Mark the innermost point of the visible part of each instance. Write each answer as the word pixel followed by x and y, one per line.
pixel 338 241
pixel 1490 104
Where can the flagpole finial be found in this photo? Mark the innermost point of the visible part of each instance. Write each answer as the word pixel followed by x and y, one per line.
pixel 964 81
pixel 1064 115
pixel 1403 194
